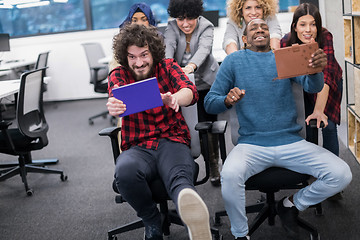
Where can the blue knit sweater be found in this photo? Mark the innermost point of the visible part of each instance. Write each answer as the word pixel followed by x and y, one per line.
pixel 267 113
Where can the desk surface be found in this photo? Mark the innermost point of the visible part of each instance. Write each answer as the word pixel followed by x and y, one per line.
pixel 17 64
pixel 9 87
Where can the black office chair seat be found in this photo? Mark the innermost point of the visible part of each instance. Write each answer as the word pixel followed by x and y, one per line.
pixel 269 182
pixel 275 178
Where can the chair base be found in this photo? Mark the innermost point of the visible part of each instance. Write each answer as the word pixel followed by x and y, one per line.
pixel 266 210
pixel 104 115
pixel 23 169
pixel 41 162
pixel 168 218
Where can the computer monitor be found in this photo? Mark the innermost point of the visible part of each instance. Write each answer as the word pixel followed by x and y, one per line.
pixel 4 42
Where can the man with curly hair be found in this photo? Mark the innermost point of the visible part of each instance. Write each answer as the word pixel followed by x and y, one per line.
pixel 240 12
pixel 150 138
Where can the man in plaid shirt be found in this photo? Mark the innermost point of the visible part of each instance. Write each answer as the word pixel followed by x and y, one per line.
pixel 155 143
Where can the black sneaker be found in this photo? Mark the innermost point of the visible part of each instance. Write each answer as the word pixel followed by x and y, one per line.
pixel 288 217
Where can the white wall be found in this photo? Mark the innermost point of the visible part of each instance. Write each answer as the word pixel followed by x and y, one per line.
pixel 68 67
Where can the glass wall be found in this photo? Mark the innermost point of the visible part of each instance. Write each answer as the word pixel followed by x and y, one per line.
pixel 52 18
pixel 110 13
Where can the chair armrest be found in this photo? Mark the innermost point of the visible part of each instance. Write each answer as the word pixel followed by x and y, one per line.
pixel 112 132
pixel 219 127
pixel 5 124
pixel 313 123
pixel 203 126
pixel 97 68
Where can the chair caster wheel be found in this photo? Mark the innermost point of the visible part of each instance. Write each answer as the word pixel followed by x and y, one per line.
pixel 63 177
pixel 104 116
pixel 29 192
pixel 91 122
pixel 112 238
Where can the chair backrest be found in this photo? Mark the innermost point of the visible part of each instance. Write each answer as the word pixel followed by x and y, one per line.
pixel 42 60
pixel 191 118
pixel 30 114
pixel 94 52
pixel 299 101
pixel 212 16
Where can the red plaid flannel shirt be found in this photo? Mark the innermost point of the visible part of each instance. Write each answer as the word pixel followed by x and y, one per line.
pixel 146 128
pixel 332 77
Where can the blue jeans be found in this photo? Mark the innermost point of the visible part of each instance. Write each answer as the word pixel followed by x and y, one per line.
pixel 246 160
pixel 137 167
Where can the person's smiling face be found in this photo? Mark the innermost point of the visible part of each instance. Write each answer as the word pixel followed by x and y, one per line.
pixel 257 36
pixel 140 61
pixel 306 28
pixel 187 25
pixel 252 10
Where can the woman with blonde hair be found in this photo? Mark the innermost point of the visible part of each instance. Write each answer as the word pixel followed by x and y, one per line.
pixel 240 12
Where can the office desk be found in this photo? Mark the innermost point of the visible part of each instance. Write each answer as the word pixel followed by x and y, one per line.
pixel 9 87
pixel 14 69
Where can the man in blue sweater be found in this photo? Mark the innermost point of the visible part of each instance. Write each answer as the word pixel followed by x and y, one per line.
pixel 269 134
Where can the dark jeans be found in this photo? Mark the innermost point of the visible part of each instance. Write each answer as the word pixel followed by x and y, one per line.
pixel 137 167
pixel 330 137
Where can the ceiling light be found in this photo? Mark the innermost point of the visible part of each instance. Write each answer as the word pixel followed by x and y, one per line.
pixel 15 2
pixel 6 6
pixel 33 4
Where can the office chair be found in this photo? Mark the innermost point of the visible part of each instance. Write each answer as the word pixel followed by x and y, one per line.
pixel 41 62
pixel 198 131
pixel 271 180
pixel 98 74
pixel 212 16
pixel 31 131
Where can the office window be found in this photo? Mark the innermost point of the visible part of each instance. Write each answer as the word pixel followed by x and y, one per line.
pixel 49 17
pixel 288 5
pixel 110 13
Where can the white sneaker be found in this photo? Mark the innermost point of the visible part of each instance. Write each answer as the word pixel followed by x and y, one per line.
pixel 194 214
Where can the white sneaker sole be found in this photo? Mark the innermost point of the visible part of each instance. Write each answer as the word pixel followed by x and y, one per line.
pixel 194 214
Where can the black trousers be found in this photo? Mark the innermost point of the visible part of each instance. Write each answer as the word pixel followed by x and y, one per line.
pixel 137 167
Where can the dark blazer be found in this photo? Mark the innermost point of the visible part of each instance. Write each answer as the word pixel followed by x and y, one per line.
pixel 200 47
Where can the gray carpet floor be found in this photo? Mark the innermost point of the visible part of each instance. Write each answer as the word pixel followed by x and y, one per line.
pixel 84 208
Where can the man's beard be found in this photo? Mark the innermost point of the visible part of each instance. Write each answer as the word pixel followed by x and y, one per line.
pixel 139 77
